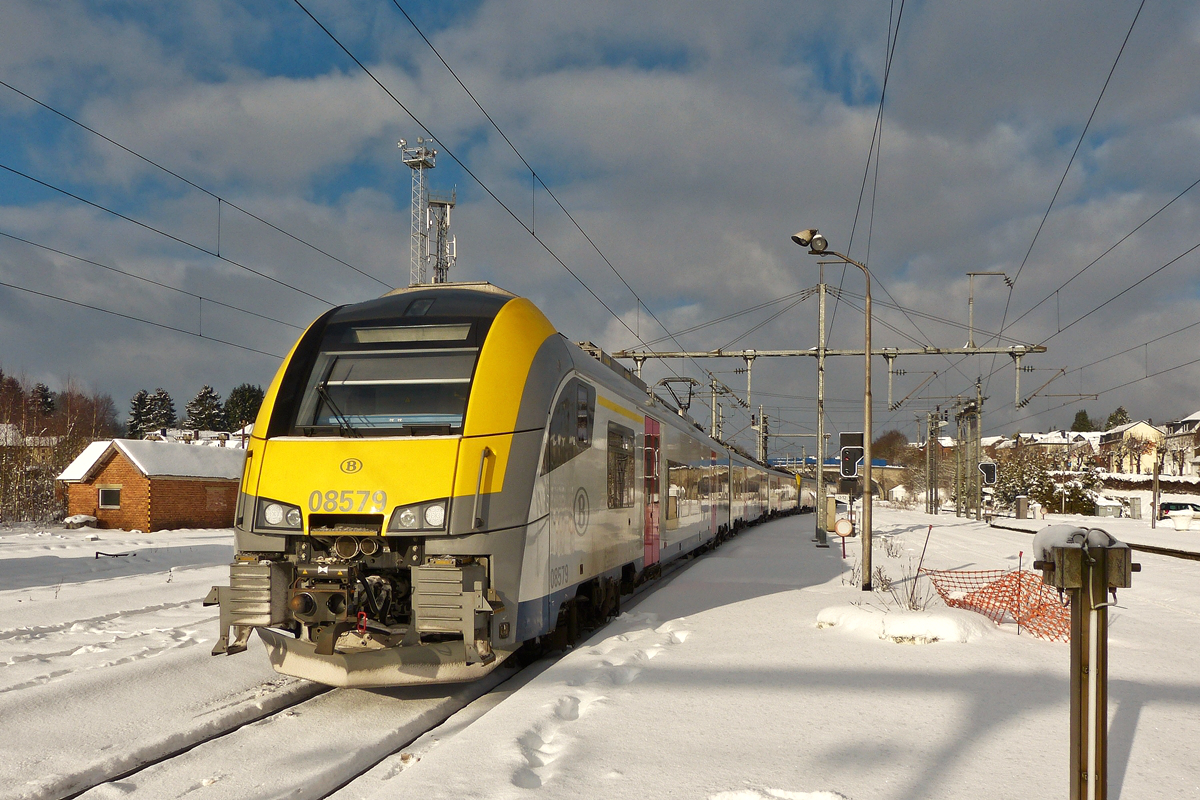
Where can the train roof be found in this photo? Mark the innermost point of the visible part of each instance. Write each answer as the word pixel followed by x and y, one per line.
pixel 441 300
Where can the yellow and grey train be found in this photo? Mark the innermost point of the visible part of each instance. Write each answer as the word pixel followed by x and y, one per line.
pixel 437 476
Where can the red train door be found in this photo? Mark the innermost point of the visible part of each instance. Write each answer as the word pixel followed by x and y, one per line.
pixel 653 442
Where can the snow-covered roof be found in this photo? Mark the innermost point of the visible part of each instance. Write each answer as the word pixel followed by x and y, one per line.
pixel 989 441
pixel 78 469
pixel 161 460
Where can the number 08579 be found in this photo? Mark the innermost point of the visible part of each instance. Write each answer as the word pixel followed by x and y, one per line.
pixel 347 501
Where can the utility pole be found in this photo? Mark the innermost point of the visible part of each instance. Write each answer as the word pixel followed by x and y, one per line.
pixel 822 536
pixel 713 431
pixel 958 462
pixel 749 356
pixel 930 471
pixel 976 475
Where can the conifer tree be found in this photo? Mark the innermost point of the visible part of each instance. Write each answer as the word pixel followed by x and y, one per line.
pixel 41 400
pixel 162 410
pixel 241 407
pixel 1082 422
pixel 204 411
pixel 138 424
pixel 1117 418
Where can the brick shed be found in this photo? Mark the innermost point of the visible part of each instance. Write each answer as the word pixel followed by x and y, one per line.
pixel 151 486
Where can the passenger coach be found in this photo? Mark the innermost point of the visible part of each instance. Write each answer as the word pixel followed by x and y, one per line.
pixel 437 476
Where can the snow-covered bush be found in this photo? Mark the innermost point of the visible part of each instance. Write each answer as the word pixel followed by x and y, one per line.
pixel 1029 471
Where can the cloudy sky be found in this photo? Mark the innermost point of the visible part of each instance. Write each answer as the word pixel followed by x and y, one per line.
pixel 688 140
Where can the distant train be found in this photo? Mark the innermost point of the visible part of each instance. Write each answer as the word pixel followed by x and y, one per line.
pixel 437 476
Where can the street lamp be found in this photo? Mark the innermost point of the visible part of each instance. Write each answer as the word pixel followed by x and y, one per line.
pixel 818 246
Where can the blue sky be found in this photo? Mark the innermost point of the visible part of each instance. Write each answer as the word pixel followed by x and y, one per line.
pixel 687 139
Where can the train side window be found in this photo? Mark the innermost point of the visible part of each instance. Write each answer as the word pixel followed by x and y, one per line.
pixel 620 466
pixel 570 424
pixel 585 413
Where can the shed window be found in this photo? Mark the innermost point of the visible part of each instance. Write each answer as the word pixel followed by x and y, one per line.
pixel 110 497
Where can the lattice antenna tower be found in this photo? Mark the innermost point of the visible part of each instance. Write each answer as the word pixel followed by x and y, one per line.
pixel 418 158
pixel 438 220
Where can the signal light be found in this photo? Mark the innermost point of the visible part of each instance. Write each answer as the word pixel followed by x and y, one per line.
pixel 989 473
pixel 850 458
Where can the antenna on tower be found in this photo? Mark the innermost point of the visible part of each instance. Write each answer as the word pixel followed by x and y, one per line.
pixel 419 159
pixel 445 246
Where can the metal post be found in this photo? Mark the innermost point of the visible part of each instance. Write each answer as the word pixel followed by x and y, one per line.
pixel 749 356
pixel 712 429
pixel 1088 569
pixel 928 463
pixel 821 538
pixel 1154 499
pixel 868 488
pixel 976 475
pixel 1089 680
pixel 971 311
pixel 958 463
pixel 761 454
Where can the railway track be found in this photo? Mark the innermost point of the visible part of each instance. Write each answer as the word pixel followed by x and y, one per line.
pixel 1144 548
pixel 315 743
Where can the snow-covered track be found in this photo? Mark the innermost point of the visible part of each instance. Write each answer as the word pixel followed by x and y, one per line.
pixel 305 749
pixel 305 694
pixel 312 747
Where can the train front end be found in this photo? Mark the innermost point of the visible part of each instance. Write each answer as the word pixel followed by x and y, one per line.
pixel 380 523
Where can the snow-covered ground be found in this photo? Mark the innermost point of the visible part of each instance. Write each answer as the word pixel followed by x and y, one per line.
pixel 719 684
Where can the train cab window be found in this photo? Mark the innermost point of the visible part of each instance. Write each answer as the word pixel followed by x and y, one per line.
pixel 389 380
pixel 620 466
pixel 571 424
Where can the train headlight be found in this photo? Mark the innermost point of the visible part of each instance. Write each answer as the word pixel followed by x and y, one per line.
pixel 435 515
pixel 429 516
pixel 277 515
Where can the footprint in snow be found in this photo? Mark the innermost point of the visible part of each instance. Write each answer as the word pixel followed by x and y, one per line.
pixel 775 794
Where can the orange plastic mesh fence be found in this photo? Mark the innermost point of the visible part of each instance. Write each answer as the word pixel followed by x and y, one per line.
pixel 1017 596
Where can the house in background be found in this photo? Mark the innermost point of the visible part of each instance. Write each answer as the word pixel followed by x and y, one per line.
pixel 151 486
pixel 1180 455
pixel 1131 448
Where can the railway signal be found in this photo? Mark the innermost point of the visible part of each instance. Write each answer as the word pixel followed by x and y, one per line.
pixel 988 469
pixel 852 456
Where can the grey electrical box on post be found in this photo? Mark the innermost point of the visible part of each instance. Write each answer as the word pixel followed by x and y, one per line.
pixel 1088 564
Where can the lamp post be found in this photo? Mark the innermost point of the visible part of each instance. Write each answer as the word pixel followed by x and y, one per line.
pixel 818 246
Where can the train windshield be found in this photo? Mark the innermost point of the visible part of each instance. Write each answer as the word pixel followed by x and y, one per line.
pixel 375 380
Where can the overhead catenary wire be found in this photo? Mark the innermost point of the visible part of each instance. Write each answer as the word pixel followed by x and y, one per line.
pixel 1097 259
pixel 1062 180
pixel 139 319
pixel 162 233
pixel 1127 289
pixel 487 189
pixel 219 198
pixel 875 149
pixel 538 178
pixel 199 297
